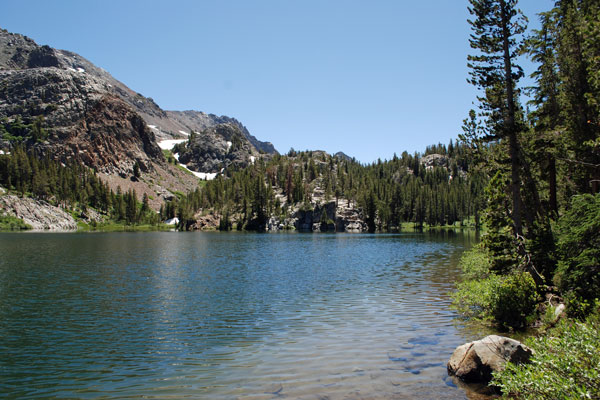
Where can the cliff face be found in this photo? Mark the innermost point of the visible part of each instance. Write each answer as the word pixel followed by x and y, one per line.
pixel 18 52
pixel 82 120
pixel 199 121
pixel 38 214
pixel 217 148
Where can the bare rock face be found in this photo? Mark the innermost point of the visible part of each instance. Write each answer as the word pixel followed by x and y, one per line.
pixel 84 121
pixel 112 138
pixel 434 160
pixel 39 214
pixel 199 121
pixel 475 361
pixel 206 222
pixel 330 217
pixel 217 148
pixel 316 219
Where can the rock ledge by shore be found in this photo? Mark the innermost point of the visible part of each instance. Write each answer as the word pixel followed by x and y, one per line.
pixel 41 215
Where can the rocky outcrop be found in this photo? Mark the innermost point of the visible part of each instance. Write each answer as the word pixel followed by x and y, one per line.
pixel 321 218
pixel 217 148
pixel 205 222
pixel 342 156
pixel 434 160
pixel 39 214
pixel 83 121
pixel 340 216
pixel 349 219
pixel 198 121
pixel 475 361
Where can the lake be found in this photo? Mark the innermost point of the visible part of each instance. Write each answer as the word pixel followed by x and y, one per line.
pixel 229 315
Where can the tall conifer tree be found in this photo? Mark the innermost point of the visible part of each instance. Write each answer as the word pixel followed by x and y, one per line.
pixel 497 28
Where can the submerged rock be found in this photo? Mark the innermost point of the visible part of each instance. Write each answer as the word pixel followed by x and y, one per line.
pixel 475 361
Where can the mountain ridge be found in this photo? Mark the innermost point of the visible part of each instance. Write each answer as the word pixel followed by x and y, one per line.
pixel 58 103
pixel 26 53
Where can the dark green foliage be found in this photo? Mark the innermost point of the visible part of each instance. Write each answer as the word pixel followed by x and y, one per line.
pixel 225 222
pixel 514 301
pixel 540 173
pixel 47 179
pixel 534 169
pixel 497 27
pixel 578 273
pixel 567 99
pixel 19 131
pixel 499 239
pixel 136 170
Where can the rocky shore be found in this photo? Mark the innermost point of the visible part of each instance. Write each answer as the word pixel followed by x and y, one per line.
pixel 40 215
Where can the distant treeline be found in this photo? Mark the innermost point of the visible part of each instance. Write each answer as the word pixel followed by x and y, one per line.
pixel 388 192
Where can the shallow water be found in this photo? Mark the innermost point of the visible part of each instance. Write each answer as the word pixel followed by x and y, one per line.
pixel 224 316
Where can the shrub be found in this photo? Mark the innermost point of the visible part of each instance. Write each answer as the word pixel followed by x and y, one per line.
pixel 473 298
pixel 514 300
pixel 565 365
pixel 506 300
pixel 10 223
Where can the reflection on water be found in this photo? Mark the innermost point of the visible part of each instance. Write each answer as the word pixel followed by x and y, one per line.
pixel 251 316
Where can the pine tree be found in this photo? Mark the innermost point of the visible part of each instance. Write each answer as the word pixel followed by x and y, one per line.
pixel 497 28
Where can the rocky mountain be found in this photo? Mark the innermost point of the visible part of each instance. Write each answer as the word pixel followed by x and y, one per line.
pixel 217 148
pixel 60 104
pixel 198 121
pixel 342 156
pixel 81 119
pixel 20 52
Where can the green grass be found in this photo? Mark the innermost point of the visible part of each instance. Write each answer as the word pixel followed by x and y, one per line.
pixel 122 227
pixel 467 225
pixel 10 223
pixel 187 171
pixel 169 157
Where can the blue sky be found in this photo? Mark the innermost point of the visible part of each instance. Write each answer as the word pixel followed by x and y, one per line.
pixel 370 78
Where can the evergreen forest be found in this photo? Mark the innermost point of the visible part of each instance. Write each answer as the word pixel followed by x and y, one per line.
pixel 72 187
pixel 388 193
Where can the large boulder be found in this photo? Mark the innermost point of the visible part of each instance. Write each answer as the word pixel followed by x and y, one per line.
pixel 475 361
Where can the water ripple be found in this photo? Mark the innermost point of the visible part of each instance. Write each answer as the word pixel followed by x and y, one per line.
pixel 173 315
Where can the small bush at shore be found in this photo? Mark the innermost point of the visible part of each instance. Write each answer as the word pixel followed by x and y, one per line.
pixel 508 301
pixel 10 223
pixel 565 365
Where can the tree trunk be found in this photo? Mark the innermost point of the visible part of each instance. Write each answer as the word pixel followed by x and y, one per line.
pixel 552 186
